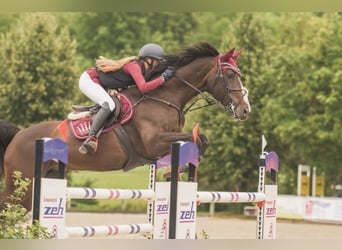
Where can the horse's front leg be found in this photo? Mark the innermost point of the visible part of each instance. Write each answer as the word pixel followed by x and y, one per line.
pixel 202 141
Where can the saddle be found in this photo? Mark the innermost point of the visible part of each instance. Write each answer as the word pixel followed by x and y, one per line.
pixel 81 116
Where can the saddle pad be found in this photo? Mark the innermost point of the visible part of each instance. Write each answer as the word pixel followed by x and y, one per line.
pixel 81 127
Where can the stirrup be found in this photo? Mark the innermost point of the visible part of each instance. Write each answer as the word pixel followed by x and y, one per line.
pixel 89 146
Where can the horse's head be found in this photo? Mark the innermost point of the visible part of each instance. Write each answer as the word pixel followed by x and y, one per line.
pixel 226 86
pixel 221 78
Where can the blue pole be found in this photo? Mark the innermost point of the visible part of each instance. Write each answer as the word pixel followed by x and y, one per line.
pixel 174 189
pixel 37 178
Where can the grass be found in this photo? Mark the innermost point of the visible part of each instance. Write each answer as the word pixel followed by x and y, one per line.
pixel 137 178
pixel 134 179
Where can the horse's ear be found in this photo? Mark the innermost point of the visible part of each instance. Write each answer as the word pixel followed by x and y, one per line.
pixel 228 55
pixel 236 54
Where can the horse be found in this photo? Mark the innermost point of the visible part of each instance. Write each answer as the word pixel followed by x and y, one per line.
pixel 157 122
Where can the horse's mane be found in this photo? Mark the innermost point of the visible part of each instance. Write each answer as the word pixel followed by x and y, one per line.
pixel 186 56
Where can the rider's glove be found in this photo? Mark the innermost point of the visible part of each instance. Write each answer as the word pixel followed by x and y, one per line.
pixel 167 74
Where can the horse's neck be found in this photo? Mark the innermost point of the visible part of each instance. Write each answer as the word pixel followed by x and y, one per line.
pixel 191 81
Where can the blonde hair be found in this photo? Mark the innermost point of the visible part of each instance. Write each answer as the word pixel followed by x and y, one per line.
pixel 104 64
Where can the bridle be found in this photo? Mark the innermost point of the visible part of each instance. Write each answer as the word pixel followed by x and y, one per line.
pixel 221 67
pixel 230 107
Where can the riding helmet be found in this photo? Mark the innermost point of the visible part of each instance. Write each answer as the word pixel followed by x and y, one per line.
pixel 151 50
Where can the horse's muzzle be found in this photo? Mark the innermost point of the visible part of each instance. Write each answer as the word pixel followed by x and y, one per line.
pixel 241 113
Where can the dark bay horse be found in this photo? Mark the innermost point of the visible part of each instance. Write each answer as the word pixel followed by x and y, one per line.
pixel 158 119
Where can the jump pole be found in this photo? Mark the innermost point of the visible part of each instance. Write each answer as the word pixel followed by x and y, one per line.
pixel 49 201
pixel 182 221
pixel 49 196
pixel 175 201
pixel 175 225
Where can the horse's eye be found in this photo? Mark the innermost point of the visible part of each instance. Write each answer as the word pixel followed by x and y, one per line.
pixel 230 75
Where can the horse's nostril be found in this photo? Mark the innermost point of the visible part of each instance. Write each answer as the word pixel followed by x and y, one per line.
pixel 245 112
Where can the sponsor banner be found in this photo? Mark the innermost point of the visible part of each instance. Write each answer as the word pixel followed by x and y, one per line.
pixel 53 206
pixel 270 212
pixel 186 210
pixel 324 209
pixel 161 211
pixel 290 207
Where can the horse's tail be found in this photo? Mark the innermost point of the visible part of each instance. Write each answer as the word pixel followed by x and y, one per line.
pixel 7 131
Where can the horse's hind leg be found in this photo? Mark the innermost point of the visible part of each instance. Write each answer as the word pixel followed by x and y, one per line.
pixel 202 143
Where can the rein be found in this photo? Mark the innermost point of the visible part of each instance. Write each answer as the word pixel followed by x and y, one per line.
pixel 181 112
pixel 221 67
pixel 209 100
pixel 145 97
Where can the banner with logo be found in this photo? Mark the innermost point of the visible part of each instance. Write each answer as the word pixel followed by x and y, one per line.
pixel 320 209
pixel 161 210
pixel 270 212
pixel 53 206
pixel 186 210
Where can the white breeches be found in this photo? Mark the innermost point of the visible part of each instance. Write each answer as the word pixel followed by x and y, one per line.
pixel 94 91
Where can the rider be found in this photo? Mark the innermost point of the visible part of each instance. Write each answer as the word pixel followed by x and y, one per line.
pixel 94 84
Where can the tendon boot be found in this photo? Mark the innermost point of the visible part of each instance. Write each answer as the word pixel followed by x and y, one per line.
pixel 90 144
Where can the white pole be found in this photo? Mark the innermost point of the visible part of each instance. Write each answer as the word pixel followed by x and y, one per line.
pixel 299 180
pixel 212 209
pixel 150 204
pixel 229 197
pixel 261 188
pixel 92 231
pixel 313 186
pixel 108 193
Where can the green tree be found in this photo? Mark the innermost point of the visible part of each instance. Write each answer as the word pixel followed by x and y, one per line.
pixel 307 102
pixel 119 34
pixel 291 65
pixel 6 20
pixel 211 27
pixel 38 73
pixel 232 159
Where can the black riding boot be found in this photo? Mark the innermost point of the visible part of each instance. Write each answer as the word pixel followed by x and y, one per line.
pixel 90 144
